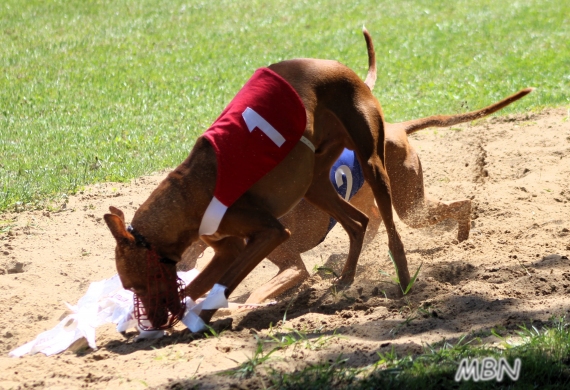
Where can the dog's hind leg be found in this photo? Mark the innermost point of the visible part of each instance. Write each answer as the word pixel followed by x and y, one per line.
pixel 414 207
pixel 459 210
pixel 308 227
pixel 366 131
pixel 430 211
pixel 292 271
pixel 323 195
pixel 378 180
pixel 364 201
pixel 367 134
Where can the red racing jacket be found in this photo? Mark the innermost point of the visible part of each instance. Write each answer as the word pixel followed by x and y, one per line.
pixel 254 133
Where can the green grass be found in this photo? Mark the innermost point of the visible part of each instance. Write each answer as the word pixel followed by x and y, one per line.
pixel 105 90
pixel 248 368
pixel 544 355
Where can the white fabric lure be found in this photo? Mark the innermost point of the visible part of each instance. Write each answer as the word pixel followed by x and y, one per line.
pixel 107 302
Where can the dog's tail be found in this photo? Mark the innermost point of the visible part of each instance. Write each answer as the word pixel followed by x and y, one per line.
pixel 371 76
pixel 450 120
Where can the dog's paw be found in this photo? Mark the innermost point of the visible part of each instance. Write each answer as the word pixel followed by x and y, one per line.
pixel 345 280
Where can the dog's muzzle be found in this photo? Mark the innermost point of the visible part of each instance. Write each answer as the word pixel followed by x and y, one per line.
pixel 158 299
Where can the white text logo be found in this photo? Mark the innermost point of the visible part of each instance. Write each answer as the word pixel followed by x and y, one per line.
pixel 487 369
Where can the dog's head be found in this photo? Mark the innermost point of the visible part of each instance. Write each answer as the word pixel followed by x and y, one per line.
pixel 151 278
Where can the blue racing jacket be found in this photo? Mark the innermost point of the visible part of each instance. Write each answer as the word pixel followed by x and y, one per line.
pixel 346 177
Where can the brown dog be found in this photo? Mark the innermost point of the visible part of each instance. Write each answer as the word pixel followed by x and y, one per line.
pixel 340 112
pixel 417 209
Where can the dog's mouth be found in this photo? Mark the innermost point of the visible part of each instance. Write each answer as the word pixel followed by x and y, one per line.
pixel 159 311
pixel 163 304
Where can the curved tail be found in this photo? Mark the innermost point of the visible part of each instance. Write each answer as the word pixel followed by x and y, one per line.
pixel 371 76
pixel 450 120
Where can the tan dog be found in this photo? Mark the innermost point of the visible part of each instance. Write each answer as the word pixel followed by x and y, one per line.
pixel 340 112
pixel 309 225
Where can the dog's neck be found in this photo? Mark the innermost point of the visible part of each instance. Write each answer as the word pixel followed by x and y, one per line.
pixel 169 219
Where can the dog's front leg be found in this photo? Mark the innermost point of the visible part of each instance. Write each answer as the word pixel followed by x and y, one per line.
pixel 226 251
pixel 191 255
pixel 264 233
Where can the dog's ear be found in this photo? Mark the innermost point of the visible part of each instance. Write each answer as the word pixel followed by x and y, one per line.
pixel 117 227
pixel 117 212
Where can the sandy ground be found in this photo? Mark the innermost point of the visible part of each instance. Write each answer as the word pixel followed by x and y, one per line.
pixel 514 269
